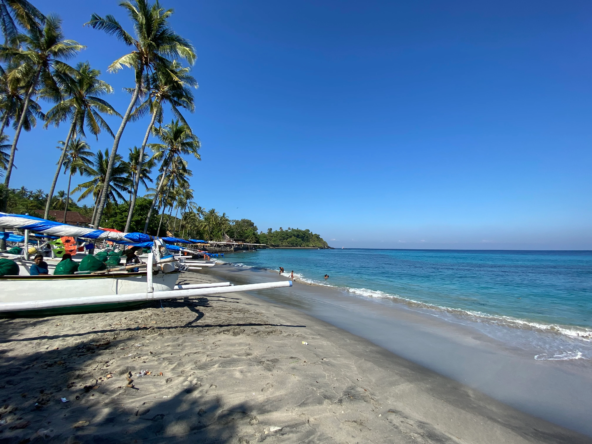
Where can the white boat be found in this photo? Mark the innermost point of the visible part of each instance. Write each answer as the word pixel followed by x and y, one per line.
pixel 43 295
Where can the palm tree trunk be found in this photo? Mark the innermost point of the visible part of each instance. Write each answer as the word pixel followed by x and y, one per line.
pixel 162 210
pixel 57 174
pixel 137 178
pixel 67 196
pixel 176 217
pixel 17 134
pixel 160 223
pixel 154 200
pixel 104 194
pixel 94 209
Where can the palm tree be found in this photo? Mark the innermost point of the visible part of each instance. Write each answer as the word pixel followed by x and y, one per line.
pixel 59 199
pixel 39 51
pixel 178 140
pixel 25 14
pixel 160 89
pixel 81 103
pixel 133 163
pixel 98 170
pixel 154 45
pixel 208 223
pixel 183 202
pixel 177 174
pixel 13 89
pixel 77 160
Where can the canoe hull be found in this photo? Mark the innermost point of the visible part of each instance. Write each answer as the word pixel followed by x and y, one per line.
pixel 38 288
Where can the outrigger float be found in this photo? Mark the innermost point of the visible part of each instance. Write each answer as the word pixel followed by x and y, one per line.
pixel 103 290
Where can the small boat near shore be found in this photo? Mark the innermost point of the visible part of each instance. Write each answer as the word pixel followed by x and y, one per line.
pixel 105 289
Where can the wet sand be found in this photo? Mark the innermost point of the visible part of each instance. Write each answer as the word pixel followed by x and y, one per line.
pixel 233 369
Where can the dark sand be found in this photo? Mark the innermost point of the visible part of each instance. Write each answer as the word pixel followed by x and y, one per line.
pixel 236 370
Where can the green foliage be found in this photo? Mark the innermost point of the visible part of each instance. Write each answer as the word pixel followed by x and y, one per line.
pixel 116 217
pixel 292 237
pixel 24 201
pixel 244 230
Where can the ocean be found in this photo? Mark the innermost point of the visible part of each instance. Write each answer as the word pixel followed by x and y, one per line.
pixel 537 301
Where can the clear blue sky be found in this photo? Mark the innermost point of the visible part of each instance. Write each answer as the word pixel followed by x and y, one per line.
pixel 376 124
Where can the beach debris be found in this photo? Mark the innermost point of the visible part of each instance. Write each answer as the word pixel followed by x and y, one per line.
pixel 88 388
pixel 274 429
pixel 143 373
pixel 80 424
pixel 109 376
pixel 304 343
pixel 160 374
pixel 64 400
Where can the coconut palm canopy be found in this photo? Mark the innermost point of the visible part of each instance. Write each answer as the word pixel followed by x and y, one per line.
pixel 80 103
pixel 155 46
pixel 18 12
pixel 98 170
pixel 37 54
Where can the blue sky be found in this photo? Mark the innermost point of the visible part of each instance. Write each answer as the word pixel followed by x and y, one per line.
pixel 377 124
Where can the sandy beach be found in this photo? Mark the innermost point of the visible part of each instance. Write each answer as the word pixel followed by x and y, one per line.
pixel 233 369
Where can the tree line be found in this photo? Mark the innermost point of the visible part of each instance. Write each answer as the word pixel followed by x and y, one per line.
pixel 180 221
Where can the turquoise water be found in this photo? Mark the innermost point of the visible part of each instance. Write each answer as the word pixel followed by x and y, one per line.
pixel 549 292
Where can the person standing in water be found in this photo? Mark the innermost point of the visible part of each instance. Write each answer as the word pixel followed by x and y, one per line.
pixel 281 270
pixel 292 275
pixel 326 276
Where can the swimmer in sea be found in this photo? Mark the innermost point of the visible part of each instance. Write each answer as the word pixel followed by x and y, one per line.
pixel 326 276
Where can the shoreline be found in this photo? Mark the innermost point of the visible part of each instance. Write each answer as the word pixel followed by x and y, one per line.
pixel 568 330
pixel 549 389
pixel 234 369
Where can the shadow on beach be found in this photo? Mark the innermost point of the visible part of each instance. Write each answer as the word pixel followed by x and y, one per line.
pixel 106 400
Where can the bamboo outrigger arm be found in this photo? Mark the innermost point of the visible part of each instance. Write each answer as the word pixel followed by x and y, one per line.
pixel 137 297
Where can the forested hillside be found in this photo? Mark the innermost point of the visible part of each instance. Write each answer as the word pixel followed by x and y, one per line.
pixel 292 237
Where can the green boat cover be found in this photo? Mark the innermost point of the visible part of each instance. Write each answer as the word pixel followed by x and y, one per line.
pixel 15 250
pixel 66 267
pixel 91 263
pixel 8 268
pixel 113 261
pixel 102 256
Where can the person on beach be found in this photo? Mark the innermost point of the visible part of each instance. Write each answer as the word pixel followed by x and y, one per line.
pixel 39 267
pixel 132 259
pixel 326 276
pixel 292 275
pixel 281 270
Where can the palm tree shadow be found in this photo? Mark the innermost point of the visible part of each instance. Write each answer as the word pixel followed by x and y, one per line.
pixel 33 385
